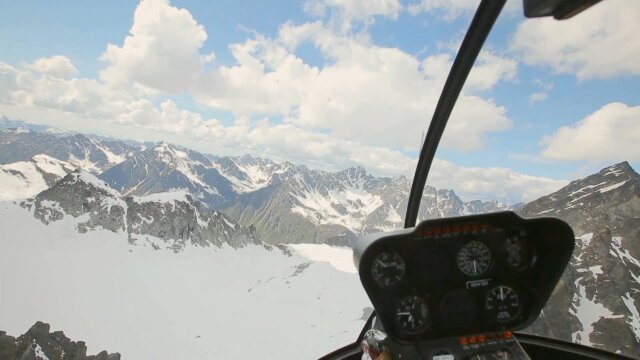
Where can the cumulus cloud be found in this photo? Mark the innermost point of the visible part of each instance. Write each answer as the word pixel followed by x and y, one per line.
pixel 346 13
pixel 612 133
pixel 492 182
pixel 369 93
pixel 162 50
pixel 602 42
pixel 56 66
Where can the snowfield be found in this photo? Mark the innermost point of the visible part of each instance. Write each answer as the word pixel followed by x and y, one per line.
pixel 202 303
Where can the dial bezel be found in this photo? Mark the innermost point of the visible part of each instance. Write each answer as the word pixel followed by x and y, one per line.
pixel 480 269
pixel 378 263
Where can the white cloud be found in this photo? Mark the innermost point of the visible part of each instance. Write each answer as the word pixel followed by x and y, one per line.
pixel 345 13
pixel 602 42
pixel 368 93
pixel 56 66
pixel 491 183
pixel 452 9
pixel 162 50
pixel 612 133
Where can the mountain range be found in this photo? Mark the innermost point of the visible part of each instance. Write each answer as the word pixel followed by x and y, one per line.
pixel 284 202
pixel 163 196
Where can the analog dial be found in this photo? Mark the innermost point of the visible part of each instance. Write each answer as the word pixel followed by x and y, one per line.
pixel 388 269
pixel 474 258
pixel 412 314
pixel 502 303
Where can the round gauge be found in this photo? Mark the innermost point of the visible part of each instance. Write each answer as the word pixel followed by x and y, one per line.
pixel 387 269
pixel 412 314
pixel 516 252
pixel 474 258
pixel 502 303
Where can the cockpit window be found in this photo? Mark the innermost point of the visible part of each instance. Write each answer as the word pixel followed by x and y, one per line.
pixel 185 179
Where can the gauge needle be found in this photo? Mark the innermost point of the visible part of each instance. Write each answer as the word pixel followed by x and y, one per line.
pixel 381 263
pixel 404 313
pixel 475 268
pixel 501 295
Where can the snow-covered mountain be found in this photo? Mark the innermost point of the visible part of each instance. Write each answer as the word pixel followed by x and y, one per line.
pixel 82 151
pixel 179 241
pixel 284 202
pixel 168 220
pixel 601 286
pixel 24 179
pixel 167 167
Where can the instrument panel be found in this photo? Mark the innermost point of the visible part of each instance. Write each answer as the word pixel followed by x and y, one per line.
pixel 463 275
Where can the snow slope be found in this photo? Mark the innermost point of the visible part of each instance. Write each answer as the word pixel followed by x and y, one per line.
pixel 203 303
pixel 24 179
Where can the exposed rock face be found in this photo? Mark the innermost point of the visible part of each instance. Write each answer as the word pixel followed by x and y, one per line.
pixel 40 344
pixel 181 220
pixel 600 289
pixel 303 205
pixel 165 219
pixel 608 198
pixel 79 194
pixel 90 153
pixel 165 167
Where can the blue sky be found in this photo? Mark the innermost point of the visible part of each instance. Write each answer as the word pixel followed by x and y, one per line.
pixel 335 83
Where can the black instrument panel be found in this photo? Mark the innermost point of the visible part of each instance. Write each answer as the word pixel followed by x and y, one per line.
pixel 463 275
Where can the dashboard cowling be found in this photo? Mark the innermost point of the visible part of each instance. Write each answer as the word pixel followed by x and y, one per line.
pixel 463 275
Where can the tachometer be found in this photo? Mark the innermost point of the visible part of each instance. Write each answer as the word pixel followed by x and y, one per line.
pixel 502 303
pixel 412 314
pixel 474 258
pixel 387 269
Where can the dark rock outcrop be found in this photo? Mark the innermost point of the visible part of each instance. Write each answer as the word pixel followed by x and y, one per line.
pixel 38 343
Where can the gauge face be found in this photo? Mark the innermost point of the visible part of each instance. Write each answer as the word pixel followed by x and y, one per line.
pixel 502 303
pixel 387 269
pixel 517 254
pixel 474 258
pixel 412 314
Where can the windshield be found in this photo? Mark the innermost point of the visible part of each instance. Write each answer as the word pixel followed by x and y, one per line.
pixel 184 179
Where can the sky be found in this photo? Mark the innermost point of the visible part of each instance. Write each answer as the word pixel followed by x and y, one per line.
pixel 336 83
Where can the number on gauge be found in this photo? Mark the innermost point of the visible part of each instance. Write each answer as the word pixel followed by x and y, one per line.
pixel 474 258
pixel 502 303
pixel 387 269
pixel 412 314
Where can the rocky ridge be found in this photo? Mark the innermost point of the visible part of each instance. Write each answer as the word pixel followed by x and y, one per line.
pixel 601 286
pixel 38 343
pixel 171 220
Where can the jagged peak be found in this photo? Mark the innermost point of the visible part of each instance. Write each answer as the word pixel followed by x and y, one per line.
pixel 82 176
pixel 622 168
